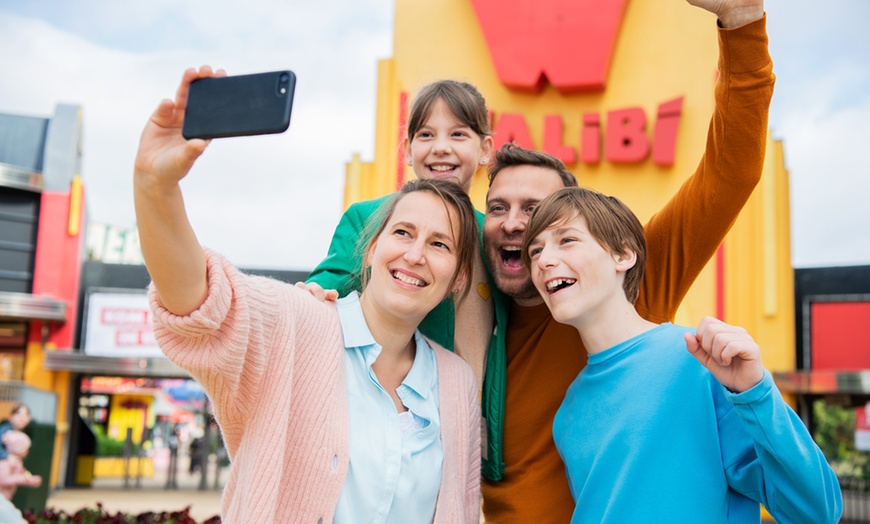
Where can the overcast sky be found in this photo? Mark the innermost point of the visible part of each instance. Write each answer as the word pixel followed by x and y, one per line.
pixel 273 201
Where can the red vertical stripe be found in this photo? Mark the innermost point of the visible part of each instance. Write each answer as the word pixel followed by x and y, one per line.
pixel 56 270
pixel 720 282
pixel 403 124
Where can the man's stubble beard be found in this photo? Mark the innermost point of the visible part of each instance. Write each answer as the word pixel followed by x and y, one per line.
pixel 516 290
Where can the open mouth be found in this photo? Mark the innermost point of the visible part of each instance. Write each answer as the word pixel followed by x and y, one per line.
pixel 510 257
pixel 559 283
pixel 407 279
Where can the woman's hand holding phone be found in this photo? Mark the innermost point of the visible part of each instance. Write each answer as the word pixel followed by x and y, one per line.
pixel 164 154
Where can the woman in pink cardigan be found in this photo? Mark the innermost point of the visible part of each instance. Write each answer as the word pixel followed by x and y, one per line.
pixel 331 412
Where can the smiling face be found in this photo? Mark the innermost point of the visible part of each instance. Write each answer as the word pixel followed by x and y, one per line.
pixel 413 261
pixel 586 253
pixel 444 146
pixel 512 197
pixel 576 276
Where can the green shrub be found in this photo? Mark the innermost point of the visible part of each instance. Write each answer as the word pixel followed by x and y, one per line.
pixel 834 431
pixel 109 447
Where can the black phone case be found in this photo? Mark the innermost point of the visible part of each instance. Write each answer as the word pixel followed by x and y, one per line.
pixel 239 105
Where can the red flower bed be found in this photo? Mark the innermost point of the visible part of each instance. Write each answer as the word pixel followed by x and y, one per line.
pixel 101 516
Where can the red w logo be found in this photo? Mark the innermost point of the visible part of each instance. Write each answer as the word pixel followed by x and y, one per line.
pixel 566 42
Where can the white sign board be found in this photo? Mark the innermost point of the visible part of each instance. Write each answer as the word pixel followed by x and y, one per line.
pixel 113 245
pixel 119 325
pixel 862 429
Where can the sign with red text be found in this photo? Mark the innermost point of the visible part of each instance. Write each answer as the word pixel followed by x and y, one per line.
pixel 569 46
pixel 118 324
pixel 622 138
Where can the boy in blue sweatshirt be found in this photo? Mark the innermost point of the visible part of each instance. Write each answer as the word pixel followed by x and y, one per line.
pixel 651 432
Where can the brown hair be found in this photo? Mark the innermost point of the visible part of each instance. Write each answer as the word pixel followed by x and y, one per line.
pixel 611 223
pixel 511 155
pixel 464 100
pixel 448 190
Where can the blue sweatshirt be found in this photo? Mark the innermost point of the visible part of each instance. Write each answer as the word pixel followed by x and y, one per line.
pixel 649 435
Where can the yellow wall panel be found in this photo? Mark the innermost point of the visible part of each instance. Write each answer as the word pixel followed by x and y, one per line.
pixel 653 63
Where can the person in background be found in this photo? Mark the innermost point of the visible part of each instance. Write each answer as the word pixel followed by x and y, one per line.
pixel 195 452
pixel 19 418
pixel 174 443
pixel 13 474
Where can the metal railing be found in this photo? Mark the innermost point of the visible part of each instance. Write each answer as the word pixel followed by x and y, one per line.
pixel 856 499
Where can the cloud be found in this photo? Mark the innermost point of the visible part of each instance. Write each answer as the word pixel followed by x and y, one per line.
pixel 263 201
pixel 820 110
pixel 274 201
pixel 830 185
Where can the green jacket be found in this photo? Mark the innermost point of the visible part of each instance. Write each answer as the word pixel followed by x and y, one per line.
pixel 340 271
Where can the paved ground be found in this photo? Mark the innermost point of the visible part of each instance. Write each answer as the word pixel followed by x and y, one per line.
pixel 148 494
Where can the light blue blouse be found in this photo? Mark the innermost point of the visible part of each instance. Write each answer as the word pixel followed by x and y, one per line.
pixel 395 461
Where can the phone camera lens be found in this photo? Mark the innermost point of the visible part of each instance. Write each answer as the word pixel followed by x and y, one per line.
pixel 284 77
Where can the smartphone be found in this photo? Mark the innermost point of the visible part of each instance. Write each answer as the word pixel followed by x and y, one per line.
pixel 242 105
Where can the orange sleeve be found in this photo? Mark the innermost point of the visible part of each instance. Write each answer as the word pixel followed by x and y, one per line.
pixel 684 234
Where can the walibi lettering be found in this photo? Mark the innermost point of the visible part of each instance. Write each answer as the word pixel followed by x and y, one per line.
pixel 623 136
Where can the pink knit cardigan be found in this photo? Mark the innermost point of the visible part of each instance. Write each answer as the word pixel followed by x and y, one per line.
pixel 271 359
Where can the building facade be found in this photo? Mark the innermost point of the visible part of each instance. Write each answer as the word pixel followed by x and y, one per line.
pixel 624 102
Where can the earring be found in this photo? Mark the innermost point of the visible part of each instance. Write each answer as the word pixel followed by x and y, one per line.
pixel 484 161
pixel 409 161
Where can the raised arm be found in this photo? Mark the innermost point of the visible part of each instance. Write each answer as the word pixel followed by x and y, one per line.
pixel 685 233
pixel 732 13
pixel 169 245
